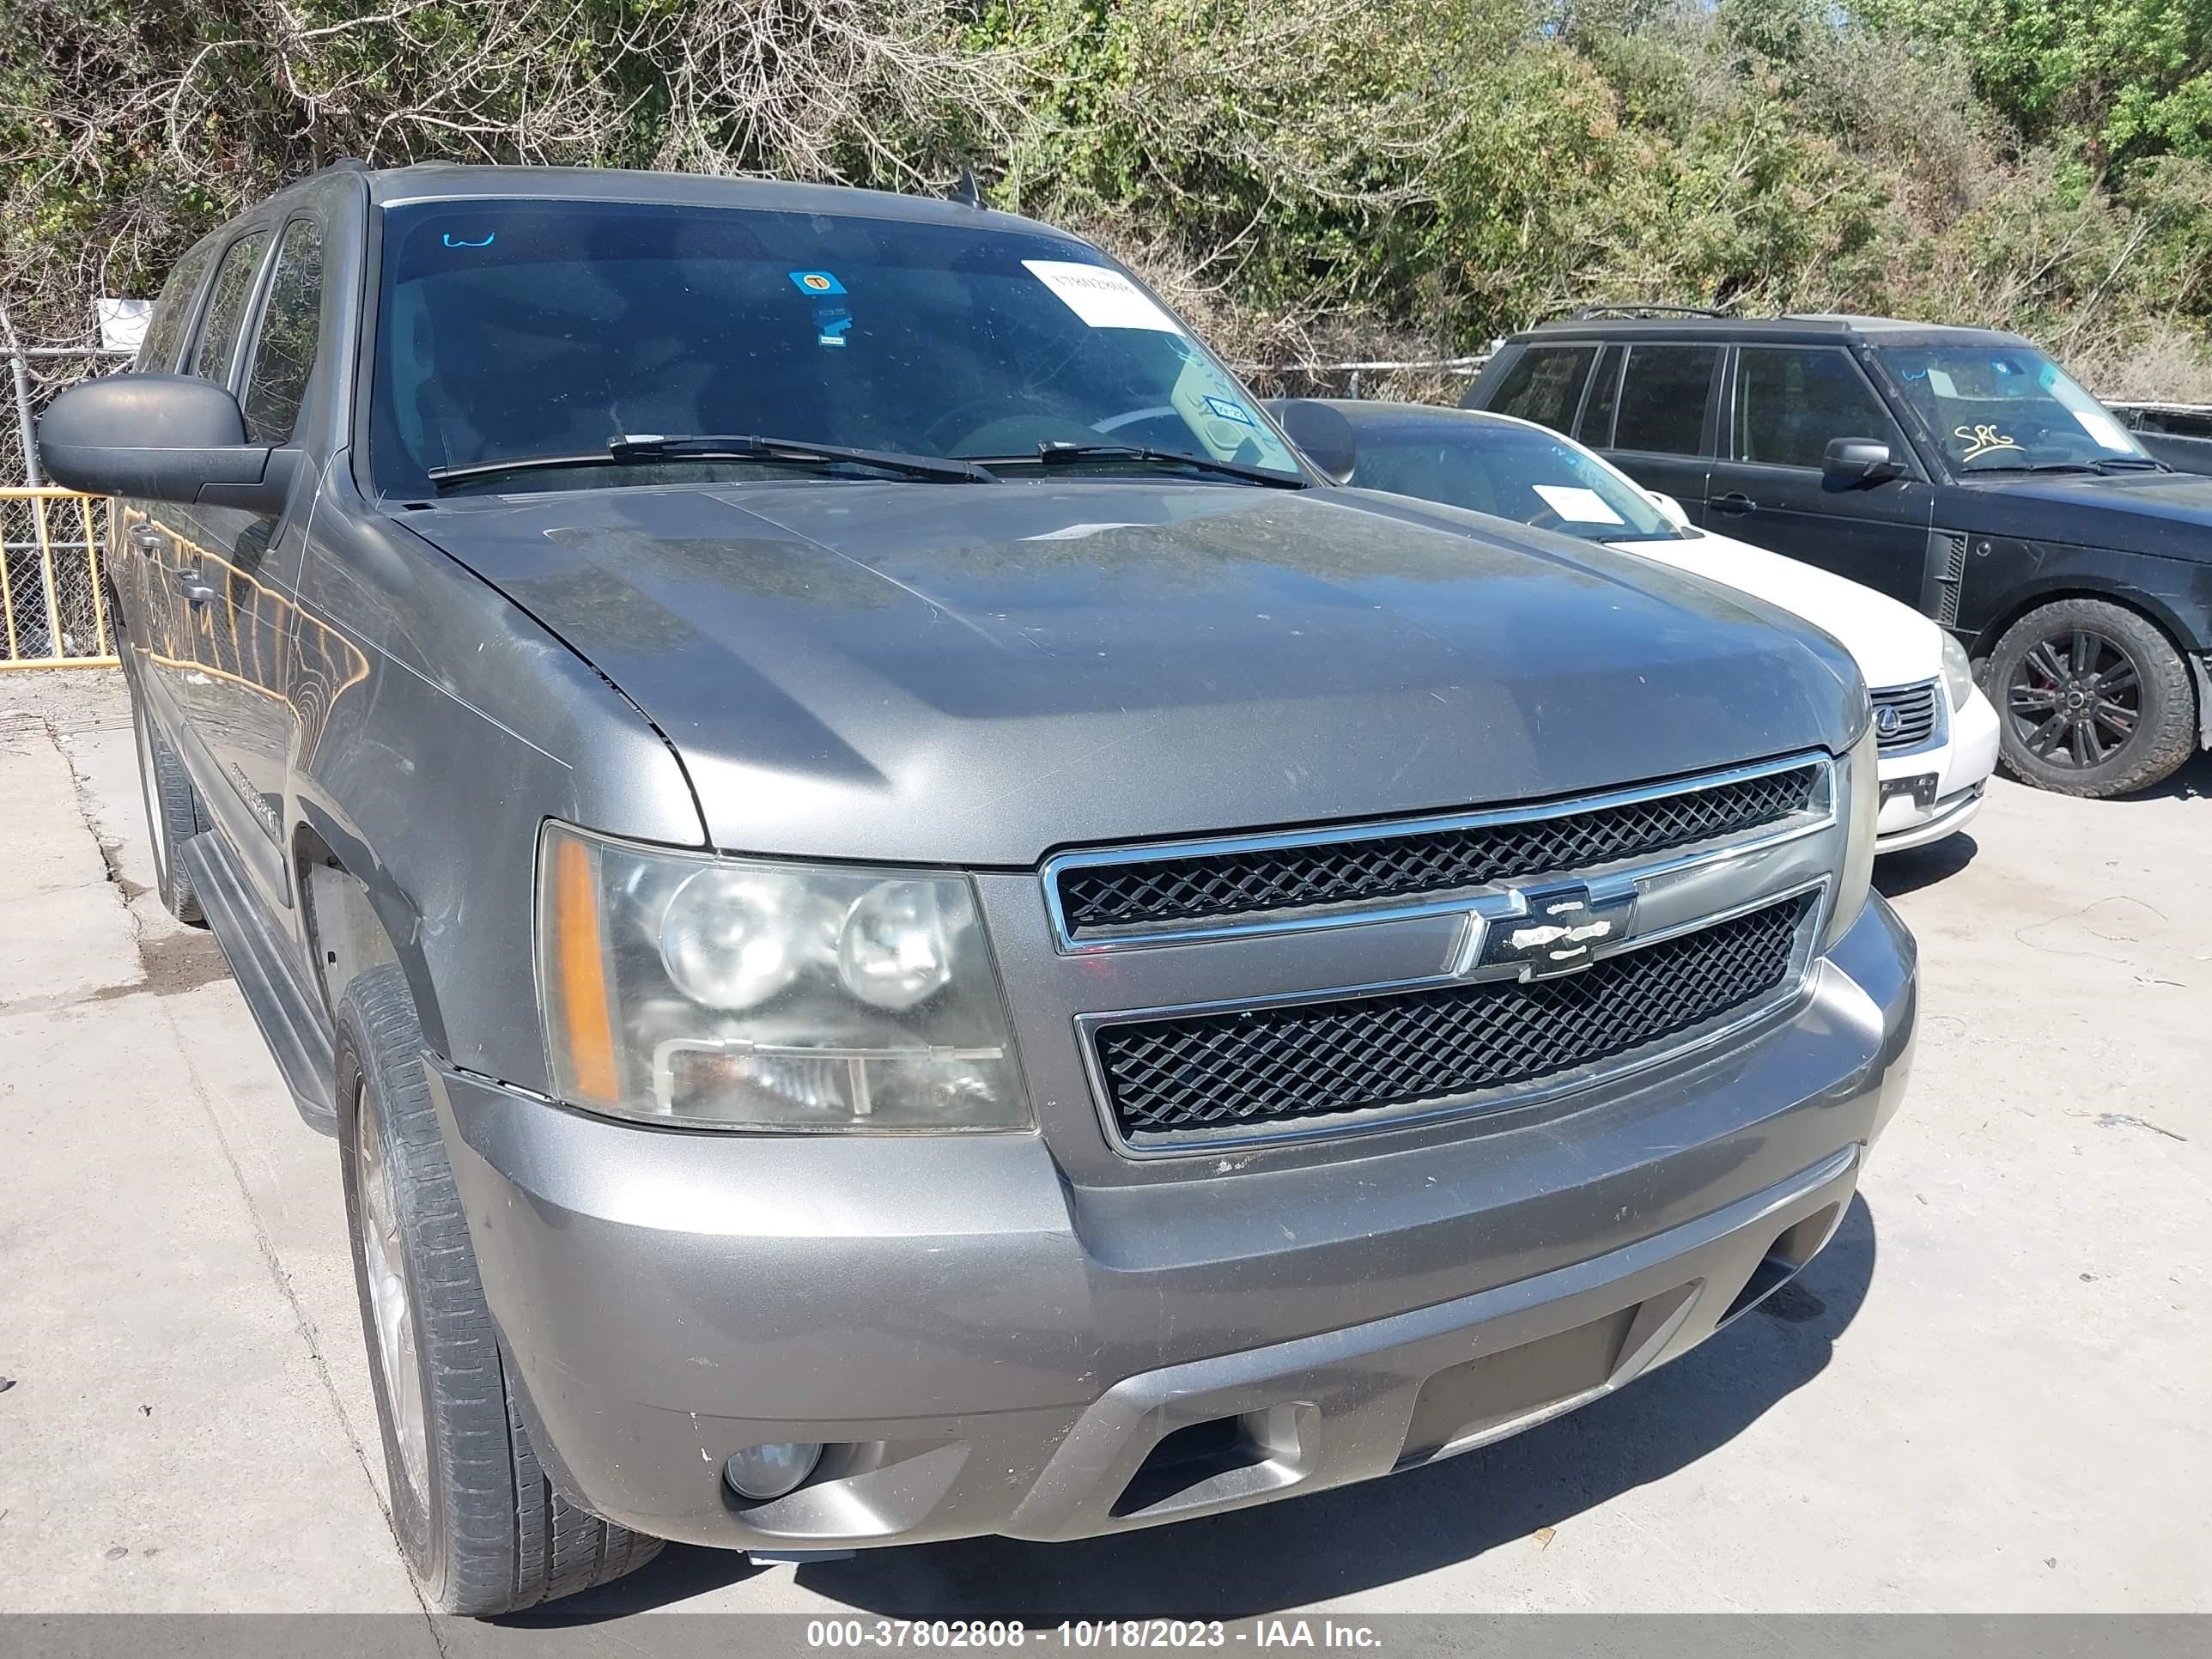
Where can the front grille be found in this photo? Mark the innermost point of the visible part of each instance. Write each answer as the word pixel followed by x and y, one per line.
pixel 1105 898
pixel 1917 712
pixel 1195 1074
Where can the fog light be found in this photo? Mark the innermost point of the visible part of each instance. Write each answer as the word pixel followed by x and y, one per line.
pixel 761 1472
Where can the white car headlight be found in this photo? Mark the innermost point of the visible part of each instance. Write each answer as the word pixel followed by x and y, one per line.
pixel 1858 804
pixel 738 993
pixel 1958 672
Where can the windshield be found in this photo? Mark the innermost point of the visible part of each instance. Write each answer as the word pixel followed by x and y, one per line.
pixel 518 328
pixel 1998 407
pixel 1511 472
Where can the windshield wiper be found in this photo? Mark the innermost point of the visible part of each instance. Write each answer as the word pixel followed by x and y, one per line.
pixel 630 448
pixel 2103 466
pixel 1064 454
pixel 713 447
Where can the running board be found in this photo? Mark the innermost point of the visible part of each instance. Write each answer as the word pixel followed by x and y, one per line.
pixel 290 1015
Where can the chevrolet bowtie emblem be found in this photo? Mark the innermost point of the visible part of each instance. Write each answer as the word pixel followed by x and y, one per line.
pixel 1565 925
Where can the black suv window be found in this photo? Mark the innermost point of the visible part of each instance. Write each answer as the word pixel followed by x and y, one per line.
pixel 284 352
pixel 157 352
pixel 225 311
pixel 1595 429
pixel 1791 400
pixel 1545 384
pixel 1663 398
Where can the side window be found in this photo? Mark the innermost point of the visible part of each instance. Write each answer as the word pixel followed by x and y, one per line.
pixel 1663 395
pixel 1545 384
pixel 157 352
pixel 1596 427
pixel 226 307
pixel 284 351
pixel 1791 400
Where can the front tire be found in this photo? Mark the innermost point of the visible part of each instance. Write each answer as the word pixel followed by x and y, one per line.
pixel 484 1530
pixel 2092 700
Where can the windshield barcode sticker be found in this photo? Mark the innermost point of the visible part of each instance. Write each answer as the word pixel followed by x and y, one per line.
pixel 1102 298
pixel 1576 505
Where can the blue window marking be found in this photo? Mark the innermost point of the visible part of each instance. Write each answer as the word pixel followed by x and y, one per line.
pixel 452 241
pixel 830 323
pixel 816 282
pixel 1229 412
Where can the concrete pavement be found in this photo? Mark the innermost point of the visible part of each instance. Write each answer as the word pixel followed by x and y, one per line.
pixel 1989 1394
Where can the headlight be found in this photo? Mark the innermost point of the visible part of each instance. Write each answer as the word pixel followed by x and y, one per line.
pixel 1858 804
pixel 735 993
pixel 1958 672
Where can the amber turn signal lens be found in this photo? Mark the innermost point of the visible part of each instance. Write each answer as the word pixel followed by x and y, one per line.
pixel 585 1011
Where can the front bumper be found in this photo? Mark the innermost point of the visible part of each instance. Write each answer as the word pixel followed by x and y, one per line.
pixel 1960 767
pixel 989 1346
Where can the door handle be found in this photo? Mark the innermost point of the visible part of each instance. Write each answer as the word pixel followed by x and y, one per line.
pixel 1735 504
pixel 147 539
pixel 195 591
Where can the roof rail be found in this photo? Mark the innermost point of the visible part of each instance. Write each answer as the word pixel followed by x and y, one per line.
pixel 1639 308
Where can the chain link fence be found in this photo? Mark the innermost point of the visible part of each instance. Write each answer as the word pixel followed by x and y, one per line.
pixel 53 611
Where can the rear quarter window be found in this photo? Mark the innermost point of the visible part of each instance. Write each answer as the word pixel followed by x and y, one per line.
pixel 172 312
pixel 1544 384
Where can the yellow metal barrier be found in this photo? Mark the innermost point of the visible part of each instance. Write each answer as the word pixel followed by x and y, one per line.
pixel 53 608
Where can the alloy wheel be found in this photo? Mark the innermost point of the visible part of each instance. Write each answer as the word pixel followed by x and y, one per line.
pixel 390 1300
pixel 2075 700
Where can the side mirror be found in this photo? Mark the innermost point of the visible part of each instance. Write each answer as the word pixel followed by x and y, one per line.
pixel 162 438
pixel 1856 463
pixel 1671 508
pixel 1322 432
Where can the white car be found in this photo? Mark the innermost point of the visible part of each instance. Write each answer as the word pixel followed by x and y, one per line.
pixel 1936 732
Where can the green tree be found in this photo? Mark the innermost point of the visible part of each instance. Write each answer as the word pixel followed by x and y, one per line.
pixel 2124 78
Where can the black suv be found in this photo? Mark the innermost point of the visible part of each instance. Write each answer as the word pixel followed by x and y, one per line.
pixel 1957 469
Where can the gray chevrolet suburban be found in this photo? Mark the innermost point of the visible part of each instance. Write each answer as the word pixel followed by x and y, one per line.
pixel 909 925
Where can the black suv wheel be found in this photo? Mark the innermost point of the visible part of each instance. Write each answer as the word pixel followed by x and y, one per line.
pixel 2093 700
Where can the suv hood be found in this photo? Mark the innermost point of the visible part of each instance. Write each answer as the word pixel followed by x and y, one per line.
pixel 978 674
pixel 2167 514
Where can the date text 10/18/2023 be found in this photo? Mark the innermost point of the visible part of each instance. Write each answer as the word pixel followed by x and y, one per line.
pixel 1082 1635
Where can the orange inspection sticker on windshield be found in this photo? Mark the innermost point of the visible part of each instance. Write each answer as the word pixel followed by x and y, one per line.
pixel 1103 298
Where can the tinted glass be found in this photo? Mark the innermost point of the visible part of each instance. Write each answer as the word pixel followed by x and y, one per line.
pixel 2000 408
pixel 1513 471
pixel 1791 401
pixel 1544 384
pixel 1663 398
pixel 225 308
pixel 520 328
pixel 284 351
pixel 158 350
pixel 1597 427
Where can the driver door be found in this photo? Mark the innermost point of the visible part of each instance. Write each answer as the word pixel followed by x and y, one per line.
pixel 244 621
pixel 1786 404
